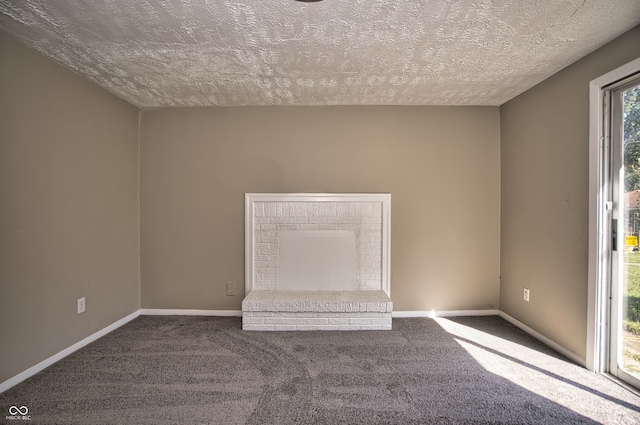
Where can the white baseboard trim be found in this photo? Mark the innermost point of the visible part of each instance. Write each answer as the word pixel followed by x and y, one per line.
pixel 11 382
pixel 444 313
pixel 559 348
pixel 174 312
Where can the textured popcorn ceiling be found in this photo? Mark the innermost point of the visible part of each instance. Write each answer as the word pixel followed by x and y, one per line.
pixel 334 52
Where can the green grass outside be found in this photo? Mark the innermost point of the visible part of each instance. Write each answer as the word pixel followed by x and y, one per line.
pixel 632 257
pixel 631 320
pixel 632 292
pixel 633 279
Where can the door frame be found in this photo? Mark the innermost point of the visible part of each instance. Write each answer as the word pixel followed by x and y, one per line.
pixel 599 219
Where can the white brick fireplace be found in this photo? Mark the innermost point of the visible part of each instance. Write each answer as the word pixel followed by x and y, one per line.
pixel 317 261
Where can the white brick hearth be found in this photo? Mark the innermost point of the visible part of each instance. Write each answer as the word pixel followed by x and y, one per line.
pixel 317 261
pixel 272 310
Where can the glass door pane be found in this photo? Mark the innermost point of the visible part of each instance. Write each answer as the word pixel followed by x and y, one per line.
pixel 625 291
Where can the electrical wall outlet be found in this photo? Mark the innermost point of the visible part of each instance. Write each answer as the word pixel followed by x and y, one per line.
pixel 81 305
pixel 526 295
pixel 231 289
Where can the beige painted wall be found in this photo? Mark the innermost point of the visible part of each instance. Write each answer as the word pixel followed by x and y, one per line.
pixel 440 164
pixel 545 178
pixel 68 208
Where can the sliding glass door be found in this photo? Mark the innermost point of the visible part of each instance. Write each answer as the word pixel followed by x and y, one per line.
pixel 623 123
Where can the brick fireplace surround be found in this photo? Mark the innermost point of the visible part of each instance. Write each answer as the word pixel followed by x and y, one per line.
pixel 317 262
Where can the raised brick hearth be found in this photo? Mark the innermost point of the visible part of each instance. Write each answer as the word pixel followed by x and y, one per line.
pixel 317 261
pixel 273 310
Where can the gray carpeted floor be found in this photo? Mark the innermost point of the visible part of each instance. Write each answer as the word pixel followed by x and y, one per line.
pixel 203 370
